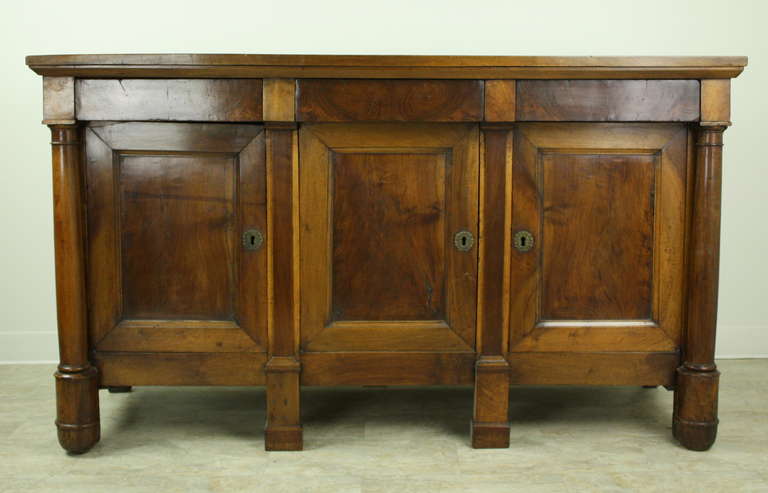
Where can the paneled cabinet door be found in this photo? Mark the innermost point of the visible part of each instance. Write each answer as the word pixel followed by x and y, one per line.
pixel 603 267
pixel 167 208
pixel 382 267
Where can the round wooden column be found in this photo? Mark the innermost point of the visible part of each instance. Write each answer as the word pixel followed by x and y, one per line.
pixel 695 409
pixel 77 398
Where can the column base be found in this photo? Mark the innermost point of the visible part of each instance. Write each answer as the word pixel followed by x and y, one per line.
pixel 77 410
pixel 694 422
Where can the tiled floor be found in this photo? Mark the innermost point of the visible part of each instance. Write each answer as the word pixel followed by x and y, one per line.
pixel 375 440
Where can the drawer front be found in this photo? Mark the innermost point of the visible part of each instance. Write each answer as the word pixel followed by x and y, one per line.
pixel 167 207
pixel 353 100
pixel 598 221
pixel 381 207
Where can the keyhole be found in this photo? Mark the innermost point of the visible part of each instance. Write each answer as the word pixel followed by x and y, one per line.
pixel 522 242
pixel 463 241
pixel 253 240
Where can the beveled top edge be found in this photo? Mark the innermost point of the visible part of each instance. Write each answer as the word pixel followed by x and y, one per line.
pixel 387 60
pixel 395 66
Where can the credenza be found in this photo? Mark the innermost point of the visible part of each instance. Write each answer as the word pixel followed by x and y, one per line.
pixel 288 221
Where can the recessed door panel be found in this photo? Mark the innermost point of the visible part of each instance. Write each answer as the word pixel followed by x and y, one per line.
pixel 597 235
pixel 381 204
pixel 177 217
pixel 388 236
pixel 605 207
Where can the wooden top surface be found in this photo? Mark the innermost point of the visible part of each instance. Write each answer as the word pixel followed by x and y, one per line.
pixel 385 66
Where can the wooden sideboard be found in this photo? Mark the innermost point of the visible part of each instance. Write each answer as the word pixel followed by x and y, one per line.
pixel 386 220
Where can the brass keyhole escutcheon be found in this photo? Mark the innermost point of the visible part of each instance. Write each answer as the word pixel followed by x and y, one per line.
pixel 523 241
pixel 253 239
pixel 463 241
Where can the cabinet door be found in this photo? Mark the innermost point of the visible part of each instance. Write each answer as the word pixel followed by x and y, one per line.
pixel 380 207
pixel 167 205
pixel 605 205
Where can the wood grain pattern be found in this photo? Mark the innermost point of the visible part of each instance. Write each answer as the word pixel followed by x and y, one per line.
pixel 77 398
pixel 716 101
pixel 581 328
pixel 364 170
pixel 389 100
pixel 695 418
pixel 279 100
pixel 58 100
pixel 590 368
pixel 140 202
pixel 151 368
pixel 500 100
pixel 386 66
pixel 608 100
pixel 283 429
pixel 388 236
pixel 318 215
pixel 191 274
pixel 387 368
pixel 233 100
pixel 704 253
pixel 597 247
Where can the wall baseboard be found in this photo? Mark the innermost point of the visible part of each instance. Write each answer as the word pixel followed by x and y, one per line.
pixel 41 347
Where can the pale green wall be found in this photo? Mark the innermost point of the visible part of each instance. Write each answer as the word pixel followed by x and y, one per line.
pixel 575 27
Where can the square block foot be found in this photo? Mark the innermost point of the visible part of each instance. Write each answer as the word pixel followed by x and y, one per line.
pixel 490 435
pixel 284 438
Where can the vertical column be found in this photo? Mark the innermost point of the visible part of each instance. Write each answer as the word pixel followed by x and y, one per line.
pixel 490 422
pixel 283 428
pixel 695 409
pixel 77 398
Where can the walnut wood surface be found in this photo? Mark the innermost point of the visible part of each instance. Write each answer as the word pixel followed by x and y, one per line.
pixel 359 182
pixel 77 398
pixel 607 100
pixel 225 100
pixel 593 368
pixel 598 245
pixel 136 368
pixel 386 66
pixel 379 269
pixel 695 412
pixel 160 281
pixel 321 100
pixel 716 101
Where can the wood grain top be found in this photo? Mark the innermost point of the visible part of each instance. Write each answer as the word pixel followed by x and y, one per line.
pixel 385 66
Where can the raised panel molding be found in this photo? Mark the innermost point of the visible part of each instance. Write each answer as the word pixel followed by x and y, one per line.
pixel 128 316
pixel 598 319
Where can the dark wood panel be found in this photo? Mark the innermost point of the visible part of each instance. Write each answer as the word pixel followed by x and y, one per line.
pixel 177 220
pixel 605 203
pixel 128 369
pixel 234 100
pixel 597 236
pixel 389 149
pixel 608 100
pixel 387 368
pixel 163 237
pixel 568 368
pixel 389 100
pixel 184 137
pixel 388 236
